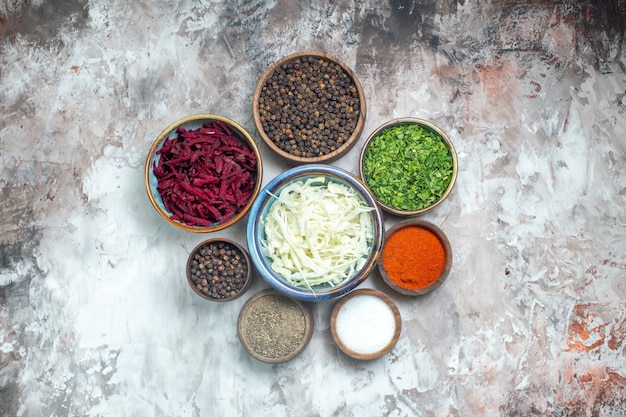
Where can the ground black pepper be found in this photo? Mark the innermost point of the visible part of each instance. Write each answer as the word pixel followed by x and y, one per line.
pixel 309 106
pixel 219 270
pixel 274 326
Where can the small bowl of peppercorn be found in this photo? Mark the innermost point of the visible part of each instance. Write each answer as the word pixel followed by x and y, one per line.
pixel 219 270
pixel 410 166
pixel 309 107
pixel 203 172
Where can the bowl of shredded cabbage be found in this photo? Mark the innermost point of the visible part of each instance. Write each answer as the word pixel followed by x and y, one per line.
pixel 315 232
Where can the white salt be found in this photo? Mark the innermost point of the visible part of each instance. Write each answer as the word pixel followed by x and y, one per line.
pixel 365 324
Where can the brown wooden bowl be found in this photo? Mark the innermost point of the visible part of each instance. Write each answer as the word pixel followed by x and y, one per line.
pixel 424 124
pixel 151 182
pixel 193 280
pixel 448 257
pixel 341 319
pixel 291 128
pixel 262 313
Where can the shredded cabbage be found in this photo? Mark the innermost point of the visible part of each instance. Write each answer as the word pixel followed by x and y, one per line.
pixel 317 232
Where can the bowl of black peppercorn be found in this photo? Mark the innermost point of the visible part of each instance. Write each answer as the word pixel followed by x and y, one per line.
pixel 219 269
pixel 309 108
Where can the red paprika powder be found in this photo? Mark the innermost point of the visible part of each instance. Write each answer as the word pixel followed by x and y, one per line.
pixel 413 257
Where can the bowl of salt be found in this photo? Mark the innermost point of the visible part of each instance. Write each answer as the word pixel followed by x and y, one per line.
pixel 365 324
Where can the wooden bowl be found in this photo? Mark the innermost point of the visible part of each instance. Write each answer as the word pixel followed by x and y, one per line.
pixel 238 285
pixel 271 103
pixel 151 181
pixel 360 318
pixel 274 328
pixel 439 234
pixel 387 206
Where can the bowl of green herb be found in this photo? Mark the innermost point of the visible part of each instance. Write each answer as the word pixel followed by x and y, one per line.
pixel 409 165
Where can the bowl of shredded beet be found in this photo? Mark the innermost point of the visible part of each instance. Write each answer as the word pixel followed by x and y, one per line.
pixel 314 232
pixel 203 172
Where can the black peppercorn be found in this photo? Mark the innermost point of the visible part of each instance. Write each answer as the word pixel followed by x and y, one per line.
pixel 218 270
pixel 307 106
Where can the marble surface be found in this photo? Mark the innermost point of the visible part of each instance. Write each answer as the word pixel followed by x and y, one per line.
pixel 96 317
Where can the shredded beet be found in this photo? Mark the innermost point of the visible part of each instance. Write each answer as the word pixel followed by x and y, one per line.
pixel 206 175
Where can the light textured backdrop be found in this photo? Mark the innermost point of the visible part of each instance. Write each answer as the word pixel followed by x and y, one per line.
pixel 96 318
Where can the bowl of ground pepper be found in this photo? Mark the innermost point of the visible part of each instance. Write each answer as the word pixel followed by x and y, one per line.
pixel 309 107
pixel 410 166
pixel 273 327
pixel 416 257
pixel 219 270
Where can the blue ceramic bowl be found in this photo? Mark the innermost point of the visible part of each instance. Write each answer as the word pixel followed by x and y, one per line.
pixel 189 123
pixel 256 233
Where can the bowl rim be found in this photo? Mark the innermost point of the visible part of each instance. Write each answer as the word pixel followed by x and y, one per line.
pixel 241 249
pixel 358 293
pixel 243 135
pixel 329 157
pixel 308 331
pixel 437 231
pixel 433 128
pixel 255 223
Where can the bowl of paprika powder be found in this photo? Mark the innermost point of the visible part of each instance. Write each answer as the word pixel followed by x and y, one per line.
pixel 416 257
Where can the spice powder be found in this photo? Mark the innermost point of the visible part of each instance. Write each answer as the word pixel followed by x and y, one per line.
pixel 413 257
pixel 274 326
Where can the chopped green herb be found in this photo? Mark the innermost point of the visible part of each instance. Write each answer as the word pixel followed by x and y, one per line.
pixel 408 167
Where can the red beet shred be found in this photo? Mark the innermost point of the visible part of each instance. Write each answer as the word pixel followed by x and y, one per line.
pixel 206 175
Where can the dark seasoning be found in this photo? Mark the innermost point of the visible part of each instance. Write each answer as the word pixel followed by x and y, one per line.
pixel 309 107
pixel 219 270
pixel 274 326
